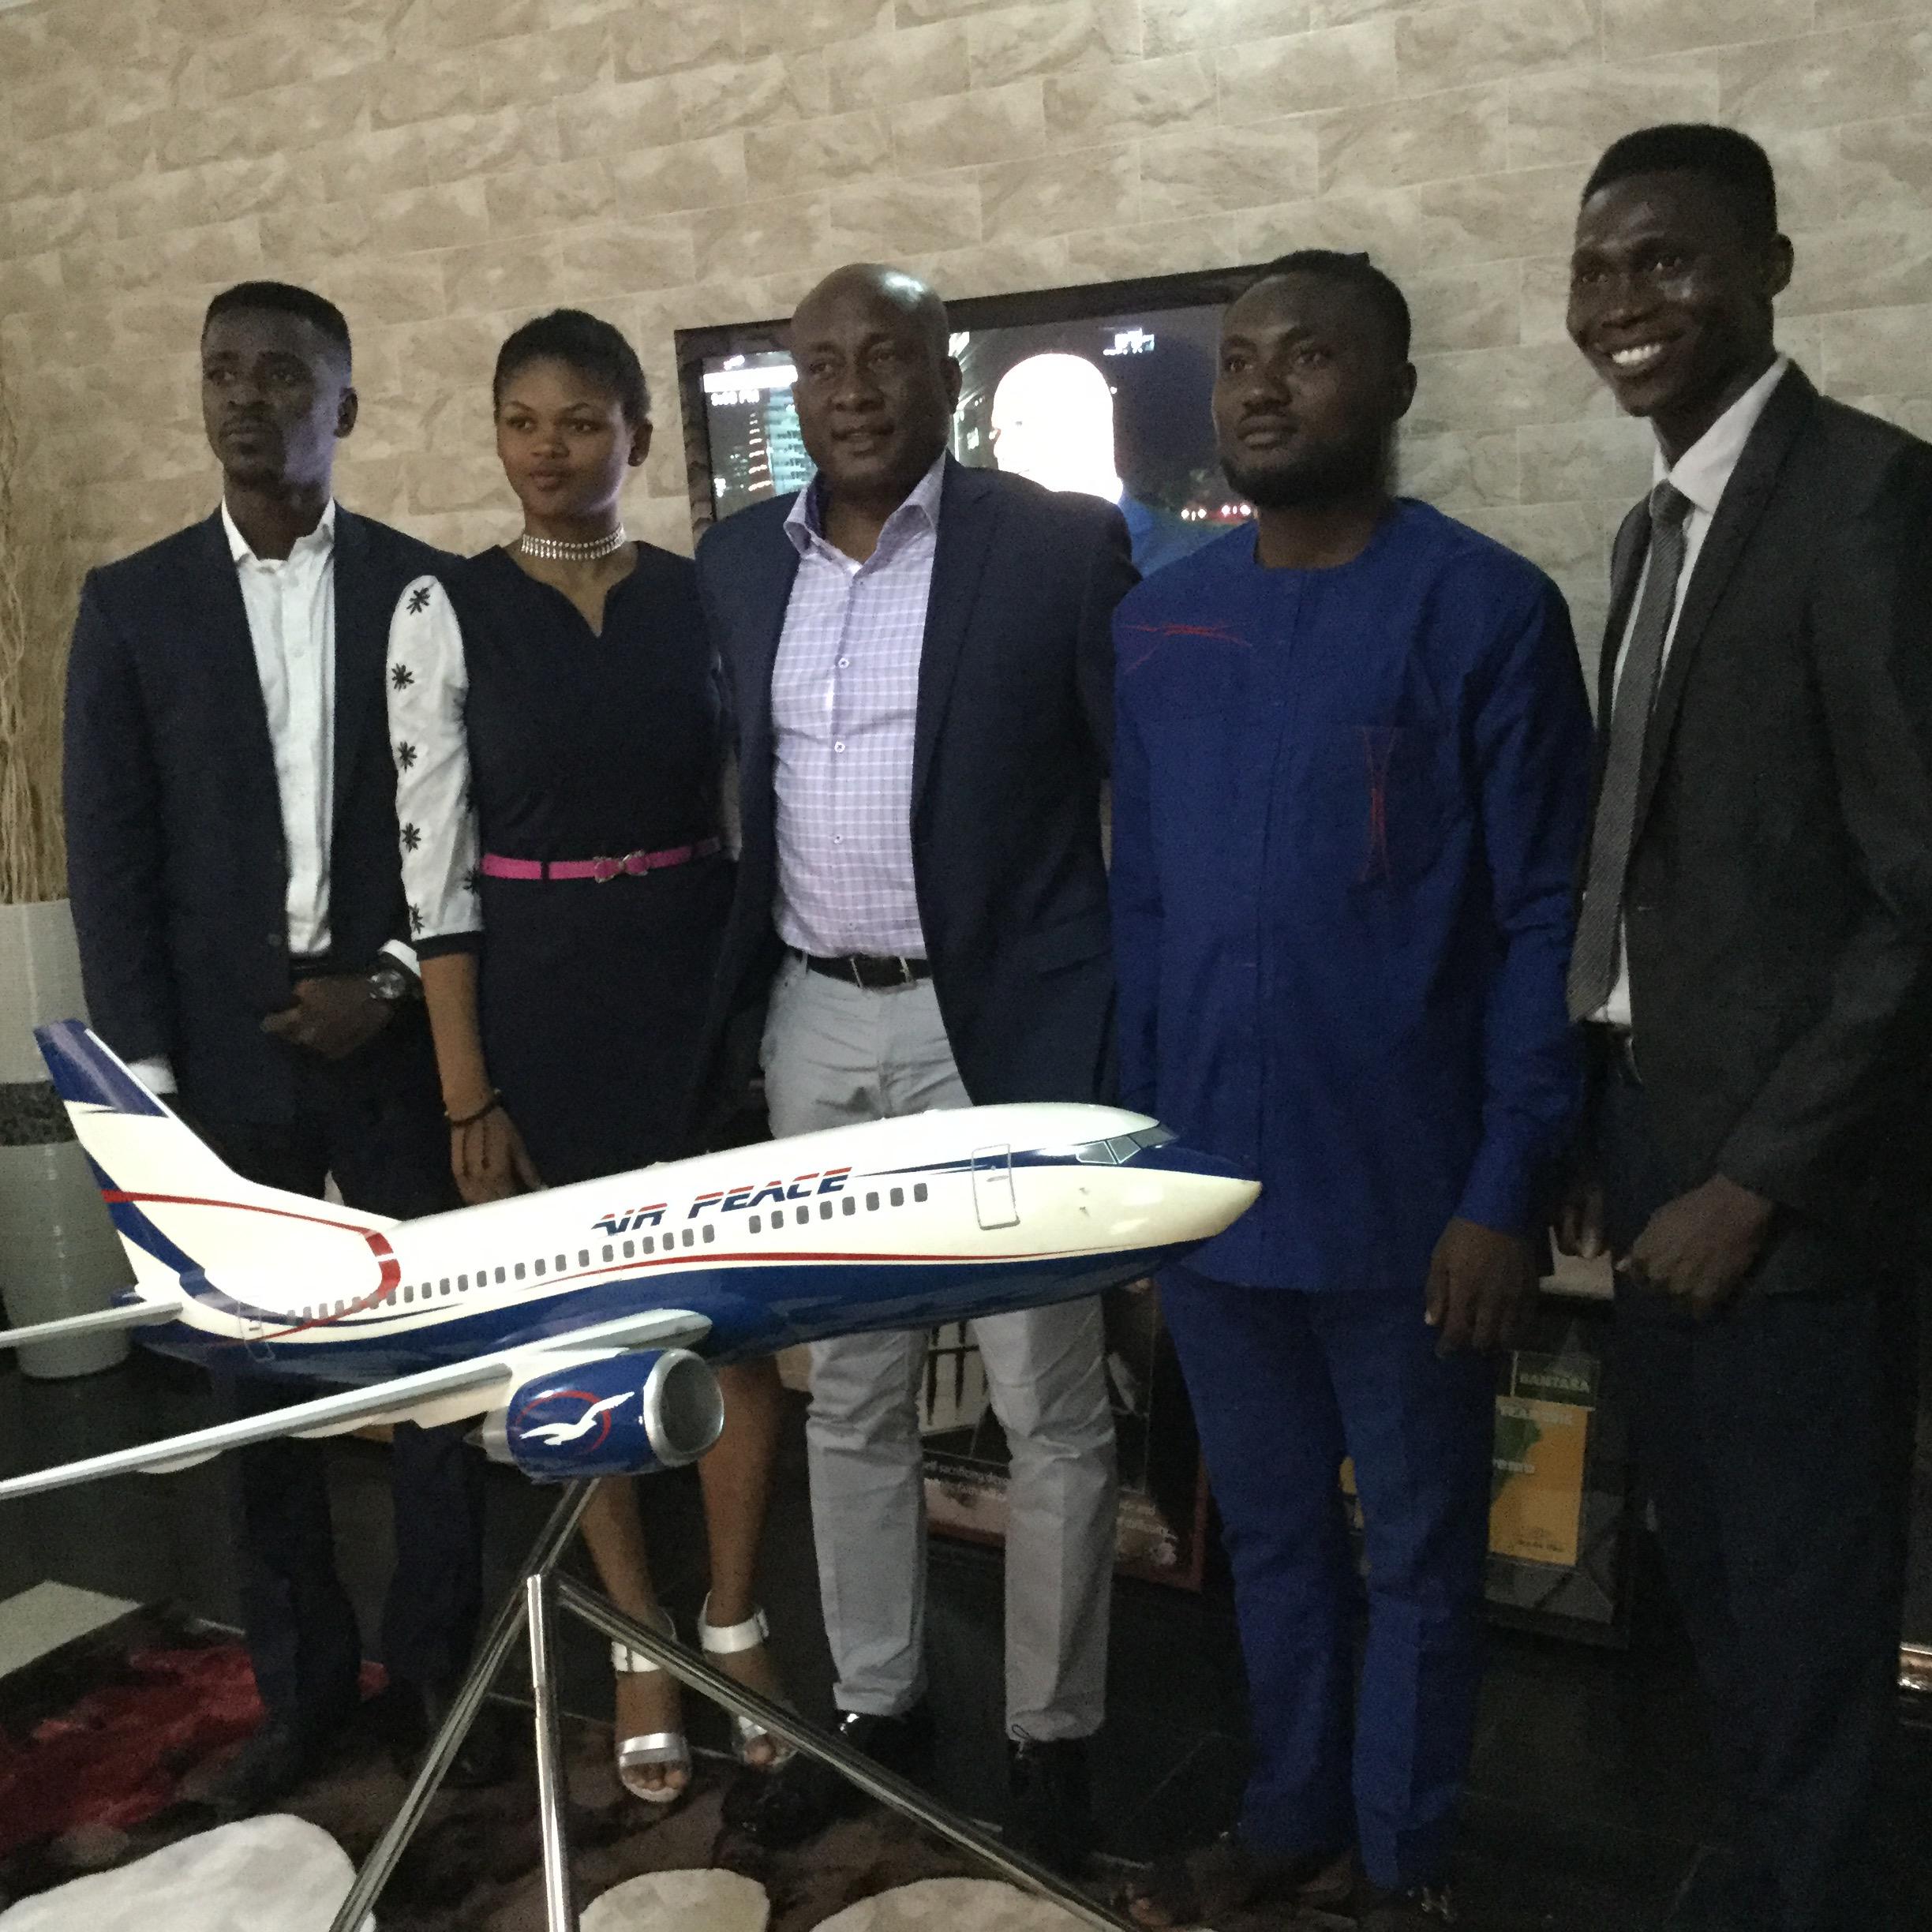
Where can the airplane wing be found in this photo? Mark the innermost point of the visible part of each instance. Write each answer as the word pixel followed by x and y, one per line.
pixel 346 1408
pixel 125 1315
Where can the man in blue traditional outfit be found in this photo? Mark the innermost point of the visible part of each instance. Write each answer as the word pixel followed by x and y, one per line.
pixel 1349 791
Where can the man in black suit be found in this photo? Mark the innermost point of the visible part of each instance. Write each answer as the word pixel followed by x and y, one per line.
pixel 920 664
pixel 232 859
pixel 1753 958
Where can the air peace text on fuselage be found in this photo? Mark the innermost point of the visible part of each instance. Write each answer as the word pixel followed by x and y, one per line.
pixel 728 1201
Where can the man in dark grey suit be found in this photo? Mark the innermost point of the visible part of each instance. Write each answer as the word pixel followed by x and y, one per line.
pixel 1753 958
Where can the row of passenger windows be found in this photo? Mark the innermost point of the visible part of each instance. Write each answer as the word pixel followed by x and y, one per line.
pixel 646 1244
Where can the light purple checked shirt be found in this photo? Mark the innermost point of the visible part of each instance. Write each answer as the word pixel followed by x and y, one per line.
pixel 845 695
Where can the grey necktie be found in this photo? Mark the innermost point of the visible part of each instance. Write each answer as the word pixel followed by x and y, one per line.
pixel 1594 963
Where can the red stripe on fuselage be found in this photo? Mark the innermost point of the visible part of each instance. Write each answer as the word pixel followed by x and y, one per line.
pixel 115 1196
pixel 389 1280
pixel 624 1268
pixel 386 1260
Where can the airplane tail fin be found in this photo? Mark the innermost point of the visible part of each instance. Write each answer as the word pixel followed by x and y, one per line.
pixel 183 1215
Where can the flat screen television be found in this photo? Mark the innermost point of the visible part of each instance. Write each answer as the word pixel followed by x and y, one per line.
pixel 1103 387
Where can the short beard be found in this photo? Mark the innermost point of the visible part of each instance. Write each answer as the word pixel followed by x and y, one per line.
pixel 1346 471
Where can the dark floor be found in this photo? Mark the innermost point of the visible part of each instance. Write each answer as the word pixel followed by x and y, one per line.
pixel 1592 1803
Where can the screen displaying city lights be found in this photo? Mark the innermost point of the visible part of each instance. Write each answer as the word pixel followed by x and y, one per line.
pixel 1113 403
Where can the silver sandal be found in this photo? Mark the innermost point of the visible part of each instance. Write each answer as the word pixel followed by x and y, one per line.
pixel 667 1748
pixel 727 1640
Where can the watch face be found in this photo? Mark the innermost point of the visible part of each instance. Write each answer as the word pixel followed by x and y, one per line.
pixel 389 983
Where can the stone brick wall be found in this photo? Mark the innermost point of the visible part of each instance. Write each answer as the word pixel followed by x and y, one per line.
pixel 444 168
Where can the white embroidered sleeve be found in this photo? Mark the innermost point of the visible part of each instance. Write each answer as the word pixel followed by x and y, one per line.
pixel 428 688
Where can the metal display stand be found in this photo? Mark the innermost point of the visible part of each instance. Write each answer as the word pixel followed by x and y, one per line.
pixel 529 1610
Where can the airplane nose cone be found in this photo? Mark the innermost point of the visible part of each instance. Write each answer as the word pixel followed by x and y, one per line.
pixel 1208 1195
pixel 1220 1202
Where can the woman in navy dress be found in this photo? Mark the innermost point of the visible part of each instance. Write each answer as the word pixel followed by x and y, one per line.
pixel 554 723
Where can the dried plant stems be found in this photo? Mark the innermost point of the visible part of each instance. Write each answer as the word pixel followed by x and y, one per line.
pixel 37 592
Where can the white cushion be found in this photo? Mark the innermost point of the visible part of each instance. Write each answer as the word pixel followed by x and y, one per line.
pixel 953 1905
pixel 264 1875
pixel 680 1901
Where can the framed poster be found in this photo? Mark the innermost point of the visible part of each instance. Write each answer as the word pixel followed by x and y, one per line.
pixel 1542 1432
pixel 1559 1481
pixel 1163 1520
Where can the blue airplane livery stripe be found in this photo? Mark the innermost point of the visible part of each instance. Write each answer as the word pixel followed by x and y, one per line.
pixel 83 1074
pixel 1012 1157
pixel 1022 1157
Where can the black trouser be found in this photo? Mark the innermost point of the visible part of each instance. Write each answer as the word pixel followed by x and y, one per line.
pixel 1773 1439
pixel 374 1123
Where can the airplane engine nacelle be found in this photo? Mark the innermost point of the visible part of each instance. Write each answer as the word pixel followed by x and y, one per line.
pixel 608 1415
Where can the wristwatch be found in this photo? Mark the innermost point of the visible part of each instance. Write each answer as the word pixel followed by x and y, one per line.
pixel 392 985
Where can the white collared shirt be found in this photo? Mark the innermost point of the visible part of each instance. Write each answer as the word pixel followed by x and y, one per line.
pixel 1701 473
pixel 291 618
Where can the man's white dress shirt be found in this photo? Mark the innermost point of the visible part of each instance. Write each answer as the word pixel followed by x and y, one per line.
pixel 1701 474
pixel 291 618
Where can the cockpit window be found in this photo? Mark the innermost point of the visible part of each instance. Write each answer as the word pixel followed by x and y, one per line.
pixel 1122 1147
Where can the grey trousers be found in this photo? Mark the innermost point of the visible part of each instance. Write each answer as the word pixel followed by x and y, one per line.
pixel 834 1054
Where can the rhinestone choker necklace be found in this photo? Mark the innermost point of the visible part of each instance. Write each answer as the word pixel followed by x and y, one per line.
pixel 555 550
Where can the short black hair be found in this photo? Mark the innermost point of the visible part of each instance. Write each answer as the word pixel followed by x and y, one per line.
pixel 1721 155
pixel 286 299
pixel 1355 271
pixel 588 344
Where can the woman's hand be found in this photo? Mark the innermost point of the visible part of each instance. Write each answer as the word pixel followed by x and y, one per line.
pixel 487 1157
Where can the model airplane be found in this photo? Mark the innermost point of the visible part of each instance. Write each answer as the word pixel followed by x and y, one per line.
pixel 576 1322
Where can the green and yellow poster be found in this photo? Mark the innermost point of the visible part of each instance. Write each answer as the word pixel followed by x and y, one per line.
pixel 1542 1435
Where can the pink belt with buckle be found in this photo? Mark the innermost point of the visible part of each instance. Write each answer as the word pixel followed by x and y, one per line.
pixel 632 864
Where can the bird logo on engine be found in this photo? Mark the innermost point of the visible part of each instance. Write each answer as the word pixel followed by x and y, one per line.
pixel 563 1434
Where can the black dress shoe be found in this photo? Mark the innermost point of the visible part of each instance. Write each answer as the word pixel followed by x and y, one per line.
pixel 782 1808
pixel 274 1762
pixel 1228 1875
pixel 1050 1803
pixel 410 1715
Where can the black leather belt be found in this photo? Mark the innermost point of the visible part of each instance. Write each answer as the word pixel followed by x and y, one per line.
pixel 875 973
